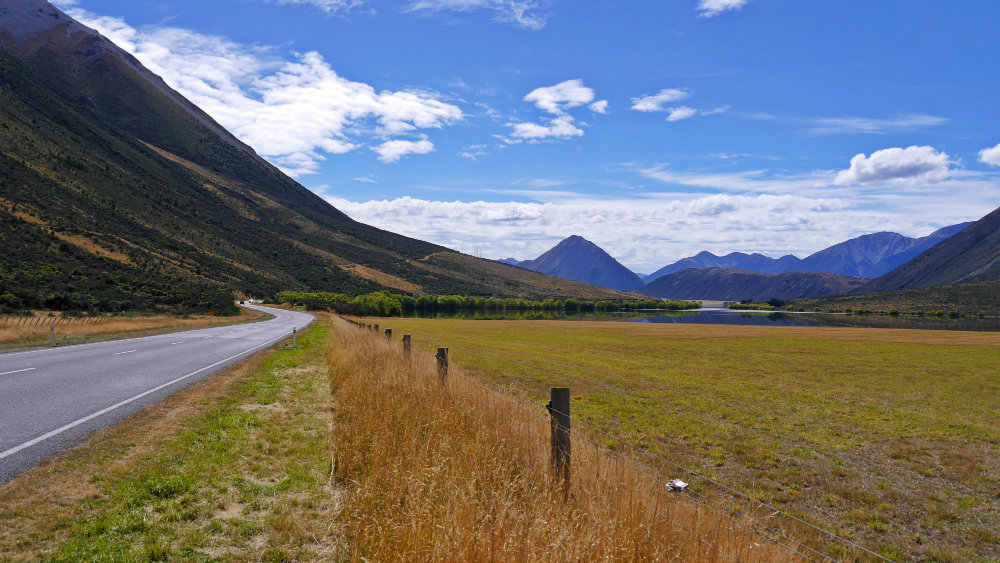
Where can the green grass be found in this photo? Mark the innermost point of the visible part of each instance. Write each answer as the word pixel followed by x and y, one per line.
pixel 878 434
pixel 245 480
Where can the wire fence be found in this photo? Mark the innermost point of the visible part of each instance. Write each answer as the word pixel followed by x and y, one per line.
pixel 764 520
pixel 11 321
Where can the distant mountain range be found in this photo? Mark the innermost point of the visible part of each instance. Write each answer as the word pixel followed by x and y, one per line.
pixel 969 256
pixel 727 284
pixel 852 264
pixel 576 258
pixel 866 256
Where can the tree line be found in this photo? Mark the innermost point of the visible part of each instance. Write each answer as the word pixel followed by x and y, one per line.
pixel 385 304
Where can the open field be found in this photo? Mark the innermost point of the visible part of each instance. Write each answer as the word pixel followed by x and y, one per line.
pixel 236 468
pixel 460 472
pixel 26 332
pixel 888 437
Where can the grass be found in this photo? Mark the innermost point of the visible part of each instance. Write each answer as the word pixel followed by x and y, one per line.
pixel 235 468
pixel 28 332
pixel 889 437
pixel 460 472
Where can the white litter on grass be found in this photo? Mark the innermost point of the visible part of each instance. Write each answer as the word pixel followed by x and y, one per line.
pixel 676 485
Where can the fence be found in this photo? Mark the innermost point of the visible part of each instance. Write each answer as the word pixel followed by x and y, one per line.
pixel 801 539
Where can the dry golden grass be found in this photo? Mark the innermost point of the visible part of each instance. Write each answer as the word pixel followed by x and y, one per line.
pixel 461 473
pixel 23 332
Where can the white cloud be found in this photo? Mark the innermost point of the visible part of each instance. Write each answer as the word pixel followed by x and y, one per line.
pixel 912 165
pixel 524 13
pixel 565 95
pixel 712 8
pixel 849 125
pixel 716 111
pixel 560 127
pixel 645 230
pixel 328 6
pixel 392 151
pixel 682 112
pixel 556 100
pixel 600 106
pixel 473 152
pixel 990 156
pixel 291 112
pixel 657 101
pixel 366 180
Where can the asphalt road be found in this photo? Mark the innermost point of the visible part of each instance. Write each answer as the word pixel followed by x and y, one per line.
pixel 52 398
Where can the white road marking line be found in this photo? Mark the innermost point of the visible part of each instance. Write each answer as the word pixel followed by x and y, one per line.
pixel 179 342
pixel 89 417
pixel 16 371
pixel 120 353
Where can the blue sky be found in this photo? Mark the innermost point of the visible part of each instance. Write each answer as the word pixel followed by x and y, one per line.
pixel 654 128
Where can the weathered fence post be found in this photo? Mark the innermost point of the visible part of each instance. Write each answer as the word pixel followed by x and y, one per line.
pixel 406 345
pixel 376 328
pixel 52 335
pixel 295 334
pixel 388 333
pixel 559 409
pixel 442 358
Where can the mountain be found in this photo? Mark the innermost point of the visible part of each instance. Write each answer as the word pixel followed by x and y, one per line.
pixel 116 192
pixel 576 258
pixel 866 256
pixel 971 255
pixel 738 260
pixel 510 261
pixel 728 284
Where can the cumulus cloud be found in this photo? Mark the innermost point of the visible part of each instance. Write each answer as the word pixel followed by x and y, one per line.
pixel 392 151
pixel 878 126
pixel 528 14
pixel 912 165
pixel 556 100
pixel 682 112
pixel 561 97
pixel 657 101
pixel 990 156
pixel 600 106
pixel 712 8
pixel 560 127
pixel 294 113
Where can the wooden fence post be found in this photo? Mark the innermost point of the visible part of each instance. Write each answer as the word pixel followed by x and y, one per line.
pixel 376 328
pixel 52 335
pixel 388 333
pixel 559 409
pixel 442 358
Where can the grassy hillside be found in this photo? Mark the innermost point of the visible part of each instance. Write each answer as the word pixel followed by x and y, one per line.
pixel 972 298
pixel 889 437
pixel 103 166
pixel 969 256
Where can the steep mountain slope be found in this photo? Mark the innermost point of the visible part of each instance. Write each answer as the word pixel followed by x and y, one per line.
pixel 971 255
pixel 102 165
pixel 728 284
pixel 866 256
pixel 576 258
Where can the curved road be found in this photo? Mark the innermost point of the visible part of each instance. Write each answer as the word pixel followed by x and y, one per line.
pixel 51 398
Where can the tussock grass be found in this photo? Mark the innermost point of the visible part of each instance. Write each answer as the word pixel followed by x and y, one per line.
pixel 887 437
pixel 461 473
pixel 24 332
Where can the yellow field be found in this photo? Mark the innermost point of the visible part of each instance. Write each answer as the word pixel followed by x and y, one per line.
pixel 887 437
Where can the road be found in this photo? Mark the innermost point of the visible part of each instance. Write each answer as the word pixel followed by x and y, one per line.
pixel 52 398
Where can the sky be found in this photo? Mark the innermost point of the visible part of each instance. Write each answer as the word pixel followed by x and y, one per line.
pixel 654 128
